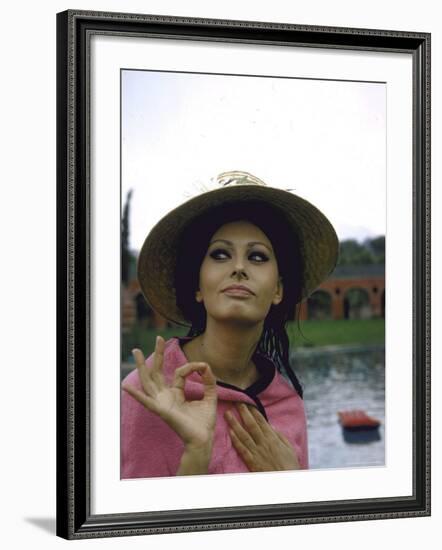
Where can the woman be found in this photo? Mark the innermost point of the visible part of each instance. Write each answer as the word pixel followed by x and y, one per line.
pixel 232 263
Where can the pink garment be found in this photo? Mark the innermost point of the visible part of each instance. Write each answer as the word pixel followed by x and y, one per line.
pixel 150 448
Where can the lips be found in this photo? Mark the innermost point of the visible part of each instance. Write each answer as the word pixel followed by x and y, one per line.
pixel 238 290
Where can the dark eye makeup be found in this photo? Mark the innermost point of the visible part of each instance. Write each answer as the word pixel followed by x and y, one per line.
pixel 223 254
pixel 258 256
pixel 219 254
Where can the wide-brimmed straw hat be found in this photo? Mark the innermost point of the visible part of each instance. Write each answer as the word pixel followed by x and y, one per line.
pixel 316 237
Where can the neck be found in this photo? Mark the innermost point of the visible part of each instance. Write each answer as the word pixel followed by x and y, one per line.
pixel 228 350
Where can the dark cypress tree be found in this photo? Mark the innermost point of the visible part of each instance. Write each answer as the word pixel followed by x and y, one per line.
pixel 125 252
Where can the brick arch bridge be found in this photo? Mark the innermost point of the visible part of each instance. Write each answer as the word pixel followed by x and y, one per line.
pixel 370 279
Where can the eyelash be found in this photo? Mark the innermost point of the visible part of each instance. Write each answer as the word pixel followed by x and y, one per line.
pixel 215 253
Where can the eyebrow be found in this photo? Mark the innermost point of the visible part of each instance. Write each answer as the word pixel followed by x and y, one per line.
pixel 250 244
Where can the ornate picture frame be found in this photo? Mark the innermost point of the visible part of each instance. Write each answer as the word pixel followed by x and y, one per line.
pixel 77 220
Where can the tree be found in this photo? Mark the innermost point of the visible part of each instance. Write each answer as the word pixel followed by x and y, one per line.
pixel 371 251
pixel 377 246
pixel 354 253
pixel 125 252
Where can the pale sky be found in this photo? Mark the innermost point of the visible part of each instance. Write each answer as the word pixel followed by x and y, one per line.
pixel 325 140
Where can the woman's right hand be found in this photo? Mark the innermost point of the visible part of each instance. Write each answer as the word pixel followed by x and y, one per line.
pixel 193 421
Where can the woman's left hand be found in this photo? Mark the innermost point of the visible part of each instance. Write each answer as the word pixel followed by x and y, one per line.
pixel 262 448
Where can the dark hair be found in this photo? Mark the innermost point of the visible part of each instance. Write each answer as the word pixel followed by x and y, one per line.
pixel 274 342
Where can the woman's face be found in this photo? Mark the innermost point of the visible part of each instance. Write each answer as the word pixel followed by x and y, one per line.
pixel 239 279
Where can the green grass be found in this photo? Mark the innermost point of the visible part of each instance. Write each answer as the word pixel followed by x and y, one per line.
pixel 337 333
pixel 144 339
pixel 311 333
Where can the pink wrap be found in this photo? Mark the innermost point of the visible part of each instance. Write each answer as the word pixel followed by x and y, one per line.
pixel 149 448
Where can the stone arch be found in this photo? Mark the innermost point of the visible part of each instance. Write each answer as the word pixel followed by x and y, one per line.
pixel 357 304
pixel 144 312
pixel 383 303
pixel 319 305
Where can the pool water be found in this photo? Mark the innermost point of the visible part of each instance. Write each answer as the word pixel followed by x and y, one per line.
pixel 336 382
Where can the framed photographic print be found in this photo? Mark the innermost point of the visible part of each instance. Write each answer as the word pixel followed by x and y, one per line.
pixel 243 298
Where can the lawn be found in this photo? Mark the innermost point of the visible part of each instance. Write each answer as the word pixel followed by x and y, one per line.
pixel 304 334
pixel 336 333
pixel 144 339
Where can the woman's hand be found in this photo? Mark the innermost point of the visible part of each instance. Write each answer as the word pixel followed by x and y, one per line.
pixel 262 448
pixel 193 421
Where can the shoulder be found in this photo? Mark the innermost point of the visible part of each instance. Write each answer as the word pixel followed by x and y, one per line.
pixel 173 358
pixel 284 385
pixel 281 390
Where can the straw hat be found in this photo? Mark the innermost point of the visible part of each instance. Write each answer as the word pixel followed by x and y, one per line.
pixel 318 241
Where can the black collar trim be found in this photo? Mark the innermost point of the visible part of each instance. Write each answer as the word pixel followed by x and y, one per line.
pixel 265 367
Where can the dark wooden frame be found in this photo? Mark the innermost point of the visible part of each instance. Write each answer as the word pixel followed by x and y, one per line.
pixel 74 519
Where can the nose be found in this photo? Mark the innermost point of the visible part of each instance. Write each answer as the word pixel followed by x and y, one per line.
pixel 239 270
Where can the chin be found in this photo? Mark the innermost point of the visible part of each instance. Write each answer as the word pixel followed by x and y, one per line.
pixel 239 319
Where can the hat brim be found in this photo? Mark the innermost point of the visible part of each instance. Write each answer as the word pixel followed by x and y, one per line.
pixel 317 241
